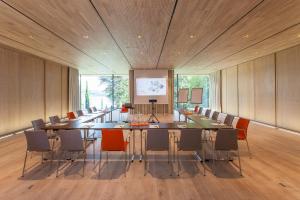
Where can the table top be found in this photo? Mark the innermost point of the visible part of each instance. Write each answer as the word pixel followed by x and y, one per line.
pixel 207 123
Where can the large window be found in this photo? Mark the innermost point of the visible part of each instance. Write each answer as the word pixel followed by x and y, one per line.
pixel 103 91
pixel 192 81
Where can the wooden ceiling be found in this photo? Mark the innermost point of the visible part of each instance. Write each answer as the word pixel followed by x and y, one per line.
pixel 113 36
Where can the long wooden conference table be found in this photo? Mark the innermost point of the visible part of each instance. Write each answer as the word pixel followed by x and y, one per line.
pixel 86 123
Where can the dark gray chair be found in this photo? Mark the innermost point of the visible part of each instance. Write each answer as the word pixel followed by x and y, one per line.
pixel 71 142
pixel 37 141
pixel 38 124
pixel 200 110
pixel 215 115
pixel 94 109
pixel 228 120
pixel 207 113
pixel 80 113
pixel 54 119
pixel 226 140
pixel 156 140
pixel 90 111
pixel 190 140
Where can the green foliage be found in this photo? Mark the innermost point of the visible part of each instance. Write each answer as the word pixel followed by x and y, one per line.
pixel 117 87
pixel 87 96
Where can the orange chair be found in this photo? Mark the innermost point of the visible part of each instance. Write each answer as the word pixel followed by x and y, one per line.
pixel 71 115
pixel 113 140
pixel 122 111
pixel 242 126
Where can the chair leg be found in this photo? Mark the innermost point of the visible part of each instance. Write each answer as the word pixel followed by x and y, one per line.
pixel 58 165
pixel 23 171
pixel 100 162
pixel 125 155
pixel 52 157
pixel 178 164
pixel 239 162
pixel 248 149
pixel 203 162
pixel 214 162
pixel 83 167
pixel 145 163
pixel 94 150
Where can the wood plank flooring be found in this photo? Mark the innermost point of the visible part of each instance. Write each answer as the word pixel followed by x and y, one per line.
pixel 272 173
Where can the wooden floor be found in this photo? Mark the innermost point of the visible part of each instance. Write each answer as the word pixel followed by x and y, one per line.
pixel 272 173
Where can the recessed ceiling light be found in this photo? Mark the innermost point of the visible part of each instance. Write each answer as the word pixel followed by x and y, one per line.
pixel 85 37
pixel 31 37
pixel 192 36
pixel 139 36
pixel 246 36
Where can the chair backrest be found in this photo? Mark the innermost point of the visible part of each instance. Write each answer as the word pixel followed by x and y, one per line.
pixel 196 109
pixel 90 110
pixel 190 139
pixel 71 140
pixel 38 124
pixel 37 141
pixel 54 119
pixel 80 113
pixel 215 115
pixel 207 113
pixel 228 120
pixel 112 140
pixel 124 109
pixel 157 140
pixel 94 109
pixel 242 125
pixel 200 110
pixel 226 140
pixel 71 115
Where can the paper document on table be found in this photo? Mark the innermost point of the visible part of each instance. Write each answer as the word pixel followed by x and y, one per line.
pixel 217 124
pixel 181 125
pixel 60 124
pixel 153 126
pixel 119 126
pixel 88 125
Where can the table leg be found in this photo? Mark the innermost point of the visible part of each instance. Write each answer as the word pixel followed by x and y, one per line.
pixel 141 154
pixel 133 145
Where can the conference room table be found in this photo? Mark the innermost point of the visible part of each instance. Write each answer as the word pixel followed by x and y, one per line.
pixel 86 125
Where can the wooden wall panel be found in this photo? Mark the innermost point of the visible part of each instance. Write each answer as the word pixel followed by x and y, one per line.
pixel 64 90
pixel 264 87
pixel 232 91
pixel 246 90
pixel 31 89
pixel 53 89
pixel 288 84
pixel 9 87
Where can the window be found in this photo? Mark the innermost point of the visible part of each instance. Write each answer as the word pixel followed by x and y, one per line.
pixel 103 91
pixel 192 81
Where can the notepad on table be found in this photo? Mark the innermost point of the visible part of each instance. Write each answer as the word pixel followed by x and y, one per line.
pixel 119 126
pixel 153 126
pixel 181 125
pixel 217 124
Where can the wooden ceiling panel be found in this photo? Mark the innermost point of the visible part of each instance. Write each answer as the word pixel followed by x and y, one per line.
pixel 283 40
pixel 139 27
pixel 265 21
pixel 76 22
pixel 196 24
pixel 18 28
